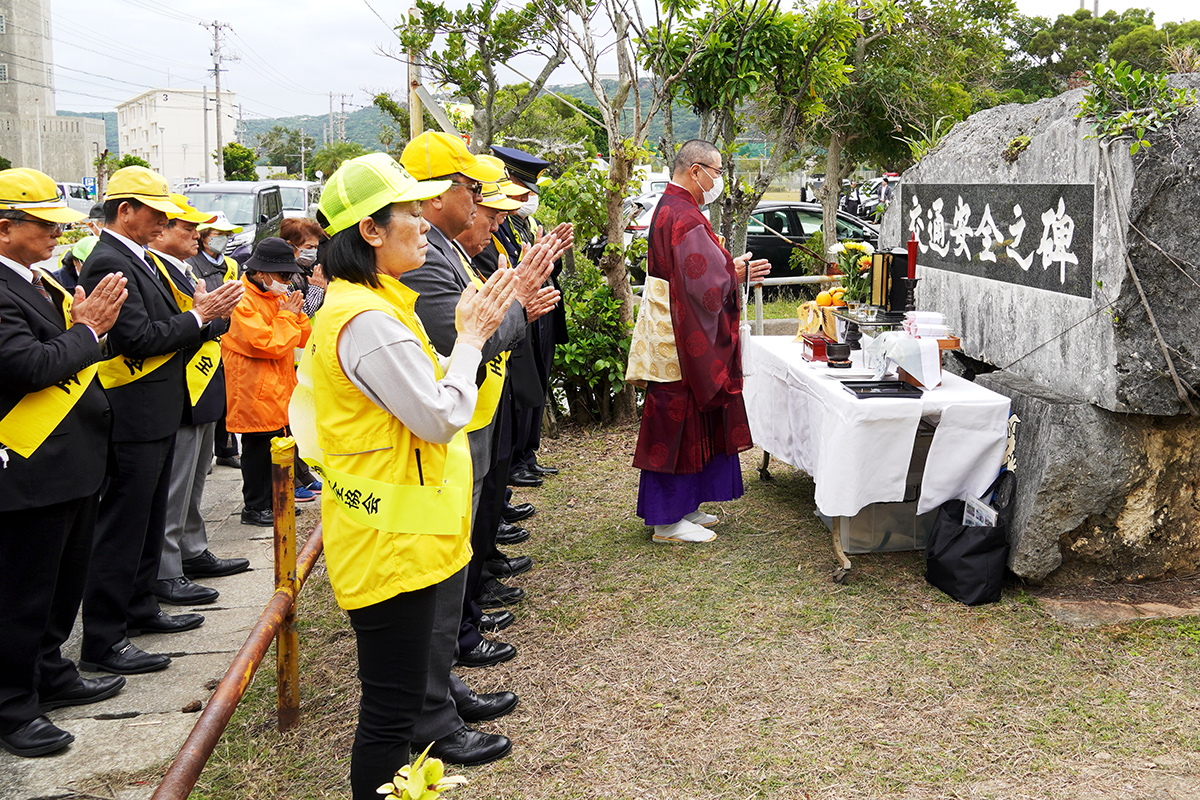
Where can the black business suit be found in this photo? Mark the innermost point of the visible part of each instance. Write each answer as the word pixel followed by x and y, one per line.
pixel 146 415
pixel 47 502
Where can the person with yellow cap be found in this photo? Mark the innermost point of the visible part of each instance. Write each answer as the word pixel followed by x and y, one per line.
pixel 147 383
pixel 381 414
pixel 212 266
pixel 185 552
pixel 54 426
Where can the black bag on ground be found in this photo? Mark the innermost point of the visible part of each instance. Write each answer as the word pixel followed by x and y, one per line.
pixel 968 562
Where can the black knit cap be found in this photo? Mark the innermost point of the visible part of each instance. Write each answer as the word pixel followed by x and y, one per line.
pixel 273 255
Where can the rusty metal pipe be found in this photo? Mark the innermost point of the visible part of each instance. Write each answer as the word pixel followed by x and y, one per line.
pixel 185 770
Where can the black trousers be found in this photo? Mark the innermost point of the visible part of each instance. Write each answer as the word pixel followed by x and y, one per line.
pixel 128 543
pixel 393 667
pixel 225 444
pixel 256 469
pixel 44 554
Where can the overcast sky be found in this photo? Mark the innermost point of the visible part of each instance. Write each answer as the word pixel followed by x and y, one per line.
pixel 293 53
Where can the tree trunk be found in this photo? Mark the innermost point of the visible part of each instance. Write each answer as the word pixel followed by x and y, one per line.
pixel 613 263
pixel 831 190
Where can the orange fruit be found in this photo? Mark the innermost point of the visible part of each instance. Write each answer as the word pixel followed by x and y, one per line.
pixel 824 299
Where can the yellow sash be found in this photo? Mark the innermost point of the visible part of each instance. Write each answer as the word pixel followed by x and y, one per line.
pixel 493 381
pixel 200 368
pixel 31 421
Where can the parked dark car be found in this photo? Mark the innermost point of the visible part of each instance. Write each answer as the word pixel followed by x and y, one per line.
pixel 775 227
pixel 256 206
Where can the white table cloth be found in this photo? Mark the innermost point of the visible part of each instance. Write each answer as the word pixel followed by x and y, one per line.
pixel 858 451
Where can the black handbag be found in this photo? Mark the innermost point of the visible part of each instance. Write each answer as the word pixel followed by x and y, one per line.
pixel 968 562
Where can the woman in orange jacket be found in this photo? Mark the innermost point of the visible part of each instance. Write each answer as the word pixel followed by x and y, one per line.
pixel 258 352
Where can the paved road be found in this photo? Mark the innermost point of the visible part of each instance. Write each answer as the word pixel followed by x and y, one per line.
pixel 145 724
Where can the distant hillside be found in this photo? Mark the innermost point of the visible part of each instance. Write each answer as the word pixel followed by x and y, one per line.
pixel 687 124
pixel 110 125
pixel 362 126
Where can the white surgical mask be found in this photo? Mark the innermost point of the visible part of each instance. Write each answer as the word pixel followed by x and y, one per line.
pixel 710 195
pixel 217 243
pixel 277 287
pixel 530 208
pixel 307 257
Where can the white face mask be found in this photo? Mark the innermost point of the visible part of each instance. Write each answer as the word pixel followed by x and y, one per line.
pixel 530 208
pixel 710 195
pixel 217 243
pixel 307 257
pixel 277 288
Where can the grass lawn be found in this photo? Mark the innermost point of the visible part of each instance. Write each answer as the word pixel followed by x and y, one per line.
pixel 739 670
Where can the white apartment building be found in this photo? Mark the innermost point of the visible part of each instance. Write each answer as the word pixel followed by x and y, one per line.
pixel 166 128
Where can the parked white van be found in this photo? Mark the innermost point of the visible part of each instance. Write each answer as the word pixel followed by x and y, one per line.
pixel 77 196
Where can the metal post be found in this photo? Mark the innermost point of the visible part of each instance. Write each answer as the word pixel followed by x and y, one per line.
pixel 758 309
pixel 287 665
pixel 207 154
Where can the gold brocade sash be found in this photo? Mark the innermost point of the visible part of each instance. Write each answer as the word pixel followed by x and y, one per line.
pixel 34 418
pixel 652 353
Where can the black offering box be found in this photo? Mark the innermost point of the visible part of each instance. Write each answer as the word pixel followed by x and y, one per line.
pixel 867 389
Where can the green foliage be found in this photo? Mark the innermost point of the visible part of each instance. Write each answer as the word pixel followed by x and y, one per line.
pixel 474 40
pixel 577 196
pixel 1015 147
pixel 331 156
pixel 130 160
pixel 5 163
pixel 590 369
pixel 807 260
pixel 548 127
pixel 239 162
pixel 920 144
pixel 280 147
pixel 1123 101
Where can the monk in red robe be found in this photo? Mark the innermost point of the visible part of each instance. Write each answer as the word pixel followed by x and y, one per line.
pixel 693 429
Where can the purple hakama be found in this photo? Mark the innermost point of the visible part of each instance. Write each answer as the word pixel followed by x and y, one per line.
pixel 664 499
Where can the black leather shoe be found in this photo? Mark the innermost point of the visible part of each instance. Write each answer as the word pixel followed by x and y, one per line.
pixel 494 593
pixel 467 747
pixel 482 707
pixel 207 565
pixel 87 690
pixel 165 623
pixel 538 469
pixel 487 654
pixel 510 534
pixel 496 620
pixel 505 567
pixel 264 518
pixel 182 592
pixel 517 513
pixel 230 461
pixel 523 477
pixel 41 737
pixel 126 658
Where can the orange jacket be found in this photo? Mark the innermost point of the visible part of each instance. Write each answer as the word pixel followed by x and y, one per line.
pixel 258 357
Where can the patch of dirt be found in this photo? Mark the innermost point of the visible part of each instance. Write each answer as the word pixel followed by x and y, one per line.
pixel 1102 603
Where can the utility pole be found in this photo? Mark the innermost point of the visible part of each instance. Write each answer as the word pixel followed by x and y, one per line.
pixel 329 136
pixel 207 155
pixel 218 57
pixel 238 133
pixel 415 114
pixel 342 119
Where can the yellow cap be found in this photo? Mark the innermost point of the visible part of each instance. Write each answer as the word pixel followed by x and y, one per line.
pixel 434 154
pixel 494 167
pixel 190 213
pixel 494 198
pixel 139 183
pixel 35 193
pixel 363 185
pixel 513 190
pixel 220 222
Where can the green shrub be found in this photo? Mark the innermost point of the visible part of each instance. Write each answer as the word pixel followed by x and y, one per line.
pixel 590 368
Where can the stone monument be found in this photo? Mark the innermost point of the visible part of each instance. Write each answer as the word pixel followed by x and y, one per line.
pixel 1071 270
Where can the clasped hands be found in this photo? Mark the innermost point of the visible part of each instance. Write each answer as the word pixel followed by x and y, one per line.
pixel 537 263
pixel 220 302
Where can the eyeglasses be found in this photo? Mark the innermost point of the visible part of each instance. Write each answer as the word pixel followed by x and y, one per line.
pixel 476 188
pixel 56 228
pixel 706 167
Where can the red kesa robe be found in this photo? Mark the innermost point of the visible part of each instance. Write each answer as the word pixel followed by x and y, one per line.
pixel 687 422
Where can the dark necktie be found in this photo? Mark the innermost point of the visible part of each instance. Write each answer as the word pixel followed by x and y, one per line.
pixel 37 284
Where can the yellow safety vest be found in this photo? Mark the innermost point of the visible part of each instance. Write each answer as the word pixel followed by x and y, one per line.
pixel 200 368
pixel 31 421
pixel 396 509
pixel 494 370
